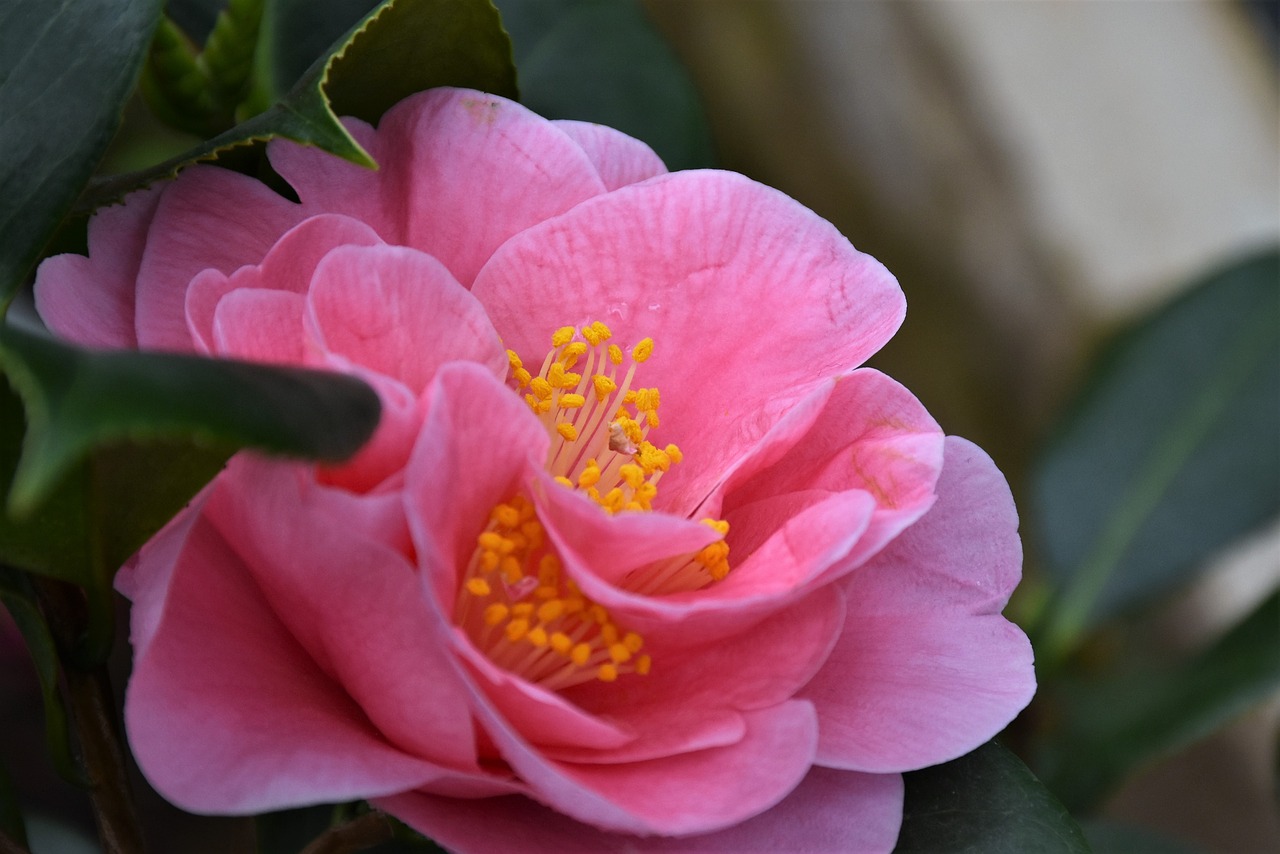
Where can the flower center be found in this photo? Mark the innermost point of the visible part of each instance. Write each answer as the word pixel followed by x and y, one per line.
pixel 514 602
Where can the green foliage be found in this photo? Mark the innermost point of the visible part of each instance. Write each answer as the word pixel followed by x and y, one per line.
pixel 985 803
pixel 19 598
pixel 1106 729
pixel 66 68
pixel 1170 453
pixel 602 61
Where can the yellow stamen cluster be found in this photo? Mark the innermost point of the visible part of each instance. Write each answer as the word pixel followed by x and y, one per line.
pixel 519 608
pixel 598 423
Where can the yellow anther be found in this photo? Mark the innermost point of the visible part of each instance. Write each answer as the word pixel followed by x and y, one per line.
pixel 589 333
pixel 603 331
pixel 603 386
pixel 642 351
pixel 632 474
pixel 491 541
pixel 513 359
pixel 563 481
pixel 598 614
pixel 572 401
pixel 495 613
pixel 489 561
pixel 548 565
pixel 619 653
pixel 479 587
pixel 541 388
pixel 608 632
pixel 633 641
pixel 580 654
pixel 550 610
pixel 720 526
pixel 516 629
pixel 573 353
pixel 522 609
pixel 562 336
pixel 674 453
pixel 607 673
pixel 538 636
pixel 647 399
pixel 511 570
pixel 522 377
pixel 567 432
pixel 545 592
pixel 575 605
pixel 590 475
pixel 615 354
pixel 643 664
pixel 651 418
pixel 561 642
pixel 506 515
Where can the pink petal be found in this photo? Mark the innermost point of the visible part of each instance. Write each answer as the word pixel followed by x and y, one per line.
pixel 460 172
pixel 90 300
pixel 382 459
pixel 619 159
pixel 927 669
pixel 288 266
pixel 829 811
pixel 753 302
pixel 260 326
pixel 400 313
pixel 355 605
pixel 479 445
pixel 872 436
pixel 209 218
pixel 247 724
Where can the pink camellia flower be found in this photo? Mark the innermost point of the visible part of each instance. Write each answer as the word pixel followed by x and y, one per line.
pixel 638 558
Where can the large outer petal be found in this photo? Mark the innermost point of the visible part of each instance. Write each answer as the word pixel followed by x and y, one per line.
pixel 460 172
pixel 227 713
pixel 620 159
pixel 830 811
pixel 927 668
pixel 209 218
pixel 753 301
pixel 90 300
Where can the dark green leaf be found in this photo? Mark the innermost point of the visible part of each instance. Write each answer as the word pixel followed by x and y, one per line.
pixel 1107 837
pixel 19 598
pixel 1170 453
pixel 12 824
pixel 985 803
pixel 117 442
pixel 295 33
pixel 66 69
pixel 400 48
pixel 602 61
pixel 1107 729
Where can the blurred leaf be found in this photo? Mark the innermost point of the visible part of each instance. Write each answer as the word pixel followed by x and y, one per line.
pixel 290 831
pixel 1107 729
pixel 602 61
pixel 12 824
pixel 195 17
pixel 1108 837
pixel 66 69
pixel 117 442
pixel 19 597
pixel 985 803
pixel 295 33
pixel 401 47
pixel 1169 455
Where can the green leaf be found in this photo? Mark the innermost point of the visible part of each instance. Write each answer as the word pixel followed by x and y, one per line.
pixel 12 823
pixel 1108 837
pixel 117 442
pixel 295 33
pixel 66 70
pixel 985 803
pixel 1106 729
pixel 19 598
pixel 602 61
pixel 400 48
pixel 1170 453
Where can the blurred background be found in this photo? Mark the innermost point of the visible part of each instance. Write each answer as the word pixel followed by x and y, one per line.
pixel 1036 174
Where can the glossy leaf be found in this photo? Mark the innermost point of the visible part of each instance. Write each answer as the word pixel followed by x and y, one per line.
pixel 402 47
pixel 295 33
pixel 1170 453
pixel 987 803
pixel 19 598
pixel 1107 729
pixel 66 69
pixel 602 61
pixel 117 442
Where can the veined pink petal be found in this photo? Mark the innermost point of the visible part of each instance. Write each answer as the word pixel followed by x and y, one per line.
pixel 91 302
pixel 619 159
pixel 250 723
pixel 460 172
pixel 753 302
pixel 247 219
pixel 261 326
pixel 937 669
pixel 288 266
pixel 399 313
pixel 355 605
pixel 830 811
